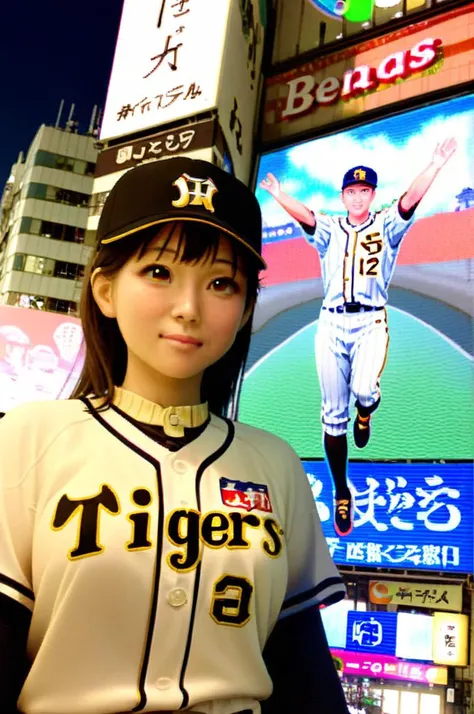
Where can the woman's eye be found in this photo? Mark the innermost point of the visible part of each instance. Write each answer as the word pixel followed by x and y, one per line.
pixel 158 272
pixel 226 286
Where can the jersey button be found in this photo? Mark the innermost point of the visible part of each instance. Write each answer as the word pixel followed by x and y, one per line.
pixel 177 597
pixel 180 467
pixel 163 683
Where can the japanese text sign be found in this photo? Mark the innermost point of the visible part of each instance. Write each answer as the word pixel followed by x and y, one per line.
pixel 411 516
pixel 389 667
pixel 436 597
pixel 157 146
pixel 372 632
pixel 166 65
pixel 450 638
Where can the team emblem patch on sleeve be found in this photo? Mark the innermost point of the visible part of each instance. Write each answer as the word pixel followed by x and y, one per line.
pixel 245 494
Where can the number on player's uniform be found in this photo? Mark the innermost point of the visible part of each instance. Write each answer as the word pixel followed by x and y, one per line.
pixel 369 266
pixel 234 610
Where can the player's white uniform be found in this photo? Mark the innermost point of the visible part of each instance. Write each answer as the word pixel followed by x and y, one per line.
pixel 357 263
pixel 154 577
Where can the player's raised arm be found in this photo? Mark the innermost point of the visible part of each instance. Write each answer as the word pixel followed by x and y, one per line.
pixel 292 206
pixel 422 183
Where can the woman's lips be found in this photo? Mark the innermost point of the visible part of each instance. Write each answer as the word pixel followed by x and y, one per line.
pixel 183 339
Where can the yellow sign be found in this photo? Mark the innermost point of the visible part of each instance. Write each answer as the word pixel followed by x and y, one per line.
pixel 360 174
pixel 436 597
pixel 450 637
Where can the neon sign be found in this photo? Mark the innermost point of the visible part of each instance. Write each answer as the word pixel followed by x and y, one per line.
pixel 305 94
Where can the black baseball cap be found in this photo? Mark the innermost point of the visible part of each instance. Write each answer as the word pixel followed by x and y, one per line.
pixel 182 189
pixel 360 174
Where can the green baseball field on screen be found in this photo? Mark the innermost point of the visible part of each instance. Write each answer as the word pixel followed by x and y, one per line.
pixel 426 409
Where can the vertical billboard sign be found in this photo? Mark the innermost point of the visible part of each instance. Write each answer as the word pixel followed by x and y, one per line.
pixel 167 63
pixel 450 639
pixel 240 81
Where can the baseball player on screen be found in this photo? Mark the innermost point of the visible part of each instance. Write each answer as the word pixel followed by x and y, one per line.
pixel 154 555
pixel 358 255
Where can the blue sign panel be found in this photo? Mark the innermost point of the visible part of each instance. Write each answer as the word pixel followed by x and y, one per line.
pixel 374 632
pixel 411 516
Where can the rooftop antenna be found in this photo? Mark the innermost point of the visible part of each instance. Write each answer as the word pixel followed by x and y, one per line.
pixel 58 119
pixel 92 122
pixel 71 113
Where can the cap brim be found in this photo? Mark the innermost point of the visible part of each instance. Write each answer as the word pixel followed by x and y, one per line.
pixel 363 183
pixel 216 224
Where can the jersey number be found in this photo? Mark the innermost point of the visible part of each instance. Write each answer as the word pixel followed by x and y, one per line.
pixel 230 603
pixel 369 267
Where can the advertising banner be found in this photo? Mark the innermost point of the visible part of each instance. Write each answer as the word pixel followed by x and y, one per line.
pixel 415 516
pixel 41 356
pixel 388 667
pixel 166 64
pixel 366 313
pixel 434 596
pixel 412 61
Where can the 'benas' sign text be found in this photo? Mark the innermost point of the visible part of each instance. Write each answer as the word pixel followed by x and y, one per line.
pixel 304 92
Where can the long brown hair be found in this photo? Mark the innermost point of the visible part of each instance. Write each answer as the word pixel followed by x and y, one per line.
pixel 106 352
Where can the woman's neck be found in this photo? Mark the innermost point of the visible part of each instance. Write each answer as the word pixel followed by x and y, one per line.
pixel 165 392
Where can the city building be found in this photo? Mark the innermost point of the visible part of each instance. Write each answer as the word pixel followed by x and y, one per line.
pixel 44 209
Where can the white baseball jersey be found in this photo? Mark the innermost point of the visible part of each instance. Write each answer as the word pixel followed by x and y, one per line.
pixel 357 262
pixel 154 577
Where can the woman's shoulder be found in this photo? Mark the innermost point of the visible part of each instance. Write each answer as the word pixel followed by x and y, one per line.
pixel 44 415
pixel 268 444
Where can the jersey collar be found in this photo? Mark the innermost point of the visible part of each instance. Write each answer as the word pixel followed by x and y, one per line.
pixel 361 226
pixel 173 419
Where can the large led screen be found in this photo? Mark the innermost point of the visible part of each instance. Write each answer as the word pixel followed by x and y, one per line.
pixel 41 356
pixel 420 279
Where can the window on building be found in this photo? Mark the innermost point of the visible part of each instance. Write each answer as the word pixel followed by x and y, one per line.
pixel 49 229
pixel 58 195
pixel 40 265
pixel 68 307
pixel 18 262
pixel 70 271
pixel 34 302
pixel 41 302
pixel 64 163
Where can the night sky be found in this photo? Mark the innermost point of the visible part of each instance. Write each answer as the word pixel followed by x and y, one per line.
pixel 51 50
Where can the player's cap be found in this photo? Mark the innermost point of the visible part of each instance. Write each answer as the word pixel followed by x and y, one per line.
pixel 182 189
pixel 360 174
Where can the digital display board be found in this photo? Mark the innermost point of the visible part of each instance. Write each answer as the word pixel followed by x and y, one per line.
pixel 413 516
pixel 427 409
pixel 41 356
pixel 407 352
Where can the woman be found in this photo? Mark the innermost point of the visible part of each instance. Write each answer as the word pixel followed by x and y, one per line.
pixel 157 546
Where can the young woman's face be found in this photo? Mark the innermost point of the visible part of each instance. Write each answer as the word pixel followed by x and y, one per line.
pixel 176 318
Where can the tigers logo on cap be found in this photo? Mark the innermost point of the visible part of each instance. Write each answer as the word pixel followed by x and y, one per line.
pixel 201 190
pixel 360 174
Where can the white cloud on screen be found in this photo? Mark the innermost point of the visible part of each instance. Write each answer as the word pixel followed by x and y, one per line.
pixel 326 160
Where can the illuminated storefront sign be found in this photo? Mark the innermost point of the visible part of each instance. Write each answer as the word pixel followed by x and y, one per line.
pixel 412 61
pixel 374 632
pixel 388 667
pixel 434 596
pixel 414 515
pixel 450 639
pixel 304 92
